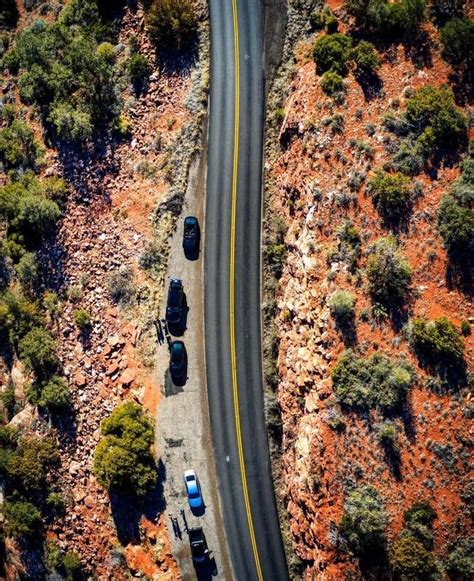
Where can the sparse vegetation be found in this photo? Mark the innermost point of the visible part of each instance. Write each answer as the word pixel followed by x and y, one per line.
pixel 374 381
pixel 121 288
pixel 123 461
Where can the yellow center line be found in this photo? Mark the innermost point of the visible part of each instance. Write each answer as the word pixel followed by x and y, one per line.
pixel 233 356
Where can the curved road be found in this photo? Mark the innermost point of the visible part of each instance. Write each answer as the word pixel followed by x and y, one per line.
pixel 232 291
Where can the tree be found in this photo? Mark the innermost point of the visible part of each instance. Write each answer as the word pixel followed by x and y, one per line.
pixel 364 520
pixel 341 307
pixel 388 274
pixel 460 561
pixel 28 465
pixel 123 461
pixel 437 341
pixel 456 227
pixel 23 519
pixel 457 38
pixel 55 395
pixel 332 53
pixel 391 194
pixel 410 559
pixel 173 24
pixel 332 83
pixel 419 519
pixel 403 17
pixel 366 58
pixel 18 147
pixel 37 350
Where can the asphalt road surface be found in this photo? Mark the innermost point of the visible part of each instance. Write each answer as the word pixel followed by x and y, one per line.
pixel 232 292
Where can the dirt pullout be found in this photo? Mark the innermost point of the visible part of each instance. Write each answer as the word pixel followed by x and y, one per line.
pixel 307 173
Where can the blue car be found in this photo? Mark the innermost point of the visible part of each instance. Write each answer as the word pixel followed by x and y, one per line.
pixel 193 489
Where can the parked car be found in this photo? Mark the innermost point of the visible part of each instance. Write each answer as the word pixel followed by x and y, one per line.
pixel 198 544
pixel 175 303
pixel 193 489
pixel 178 362
pixel 191 237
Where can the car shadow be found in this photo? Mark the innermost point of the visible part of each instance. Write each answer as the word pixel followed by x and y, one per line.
pixel 172 388
pixel 208 571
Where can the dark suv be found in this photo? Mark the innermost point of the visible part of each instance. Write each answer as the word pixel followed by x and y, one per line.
pixel 178 363
pixel 175 302
pixel 199 550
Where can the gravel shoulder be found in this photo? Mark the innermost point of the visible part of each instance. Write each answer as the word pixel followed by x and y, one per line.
pixel 183 438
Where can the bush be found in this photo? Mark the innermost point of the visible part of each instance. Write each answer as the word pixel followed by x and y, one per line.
pixel 457 38
pixel 37 350
pixel 341 306
pixel 332 83
pixel 434 119
pixel 410 158
pixel 18 147
pixel 364 521
pixel 411 560
pixel 456 227
pixel 55 395
pixel 123 461
pixel 387 433
pixel 28 464
pixel 121 288
pixel 138 69
pixel 82 319
pixel 332 53
pixel 374 381
pixel 276 254
pixel 17 316
pixel 172 24
pixel 27 271
pixel 366 59
pixel 443 10
pixel 419 522
pixel 380 17
pixel 437 341
pixel 23 519
pixel 388 274
pixel 460 561
pixel 391 194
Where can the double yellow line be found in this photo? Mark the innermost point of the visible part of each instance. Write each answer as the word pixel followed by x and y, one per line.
pixel 235 388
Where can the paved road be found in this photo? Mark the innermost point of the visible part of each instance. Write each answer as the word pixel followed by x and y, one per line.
pixel 183 437
pixel 232 292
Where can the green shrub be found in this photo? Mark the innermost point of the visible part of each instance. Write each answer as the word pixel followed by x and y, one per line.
pixel 17 316
pixel 388 274
pixel 409 158
pixel 276 254
pixel 380 17
pixel 37 350
pixel 28 465
pixel 374 381
pixel 456 227
pixel 332 24
pixel 23 519
pixel 460 561
pixel 56 502
pixel 411 560
pixel 332 53
pixel 332 83
pixel 419 520
pixel 434 119
pixel 437 341
pixel 55 395
pixel 72 566
pixel 457 38
pixel 366 58
pixel 364 520
pixel 138 69
pixel 172 24
pixel 341 306
pixel 18 147
pixel 27 271
pixel 391 194
pixel 82 319
pixel 123 459
pixel 387 433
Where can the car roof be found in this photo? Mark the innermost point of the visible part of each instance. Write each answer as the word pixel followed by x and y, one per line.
pixel 190 471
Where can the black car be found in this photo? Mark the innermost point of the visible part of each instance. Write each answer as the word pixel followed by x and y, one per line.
pixel 199 550
pixel 178 363
pixel 175 302
pixel 191 237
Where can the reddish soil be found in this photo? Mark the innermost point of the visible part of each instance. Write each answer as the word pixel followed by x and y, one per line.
pixel 319 462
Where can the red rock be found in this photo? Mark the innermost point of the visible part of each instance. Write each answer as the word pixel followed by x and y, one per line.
pixel 79 379
pixel 112 369
pixel 127 376
pixel 89 501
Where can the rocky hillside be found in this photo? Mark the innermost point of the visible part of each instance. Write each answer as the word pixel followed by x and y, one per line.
pixel 370 235
pixel 100 116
